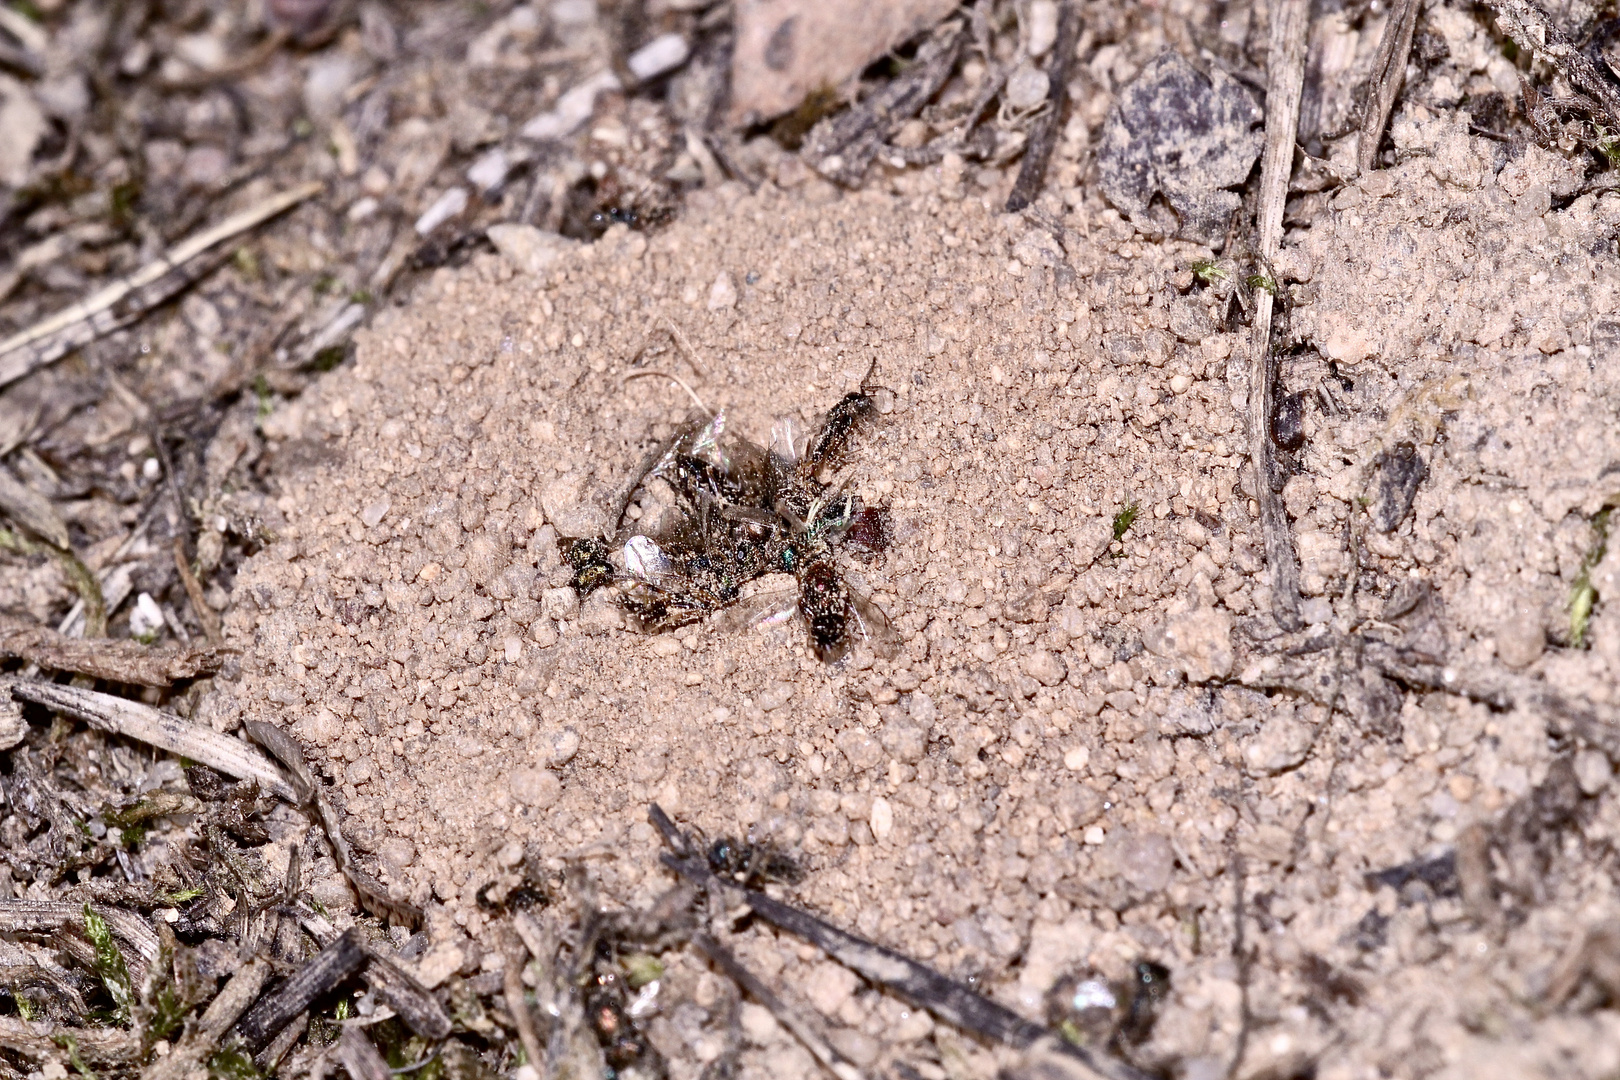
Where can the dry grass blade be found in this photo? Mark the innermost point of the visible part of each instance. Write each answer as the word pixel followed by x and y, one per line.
pixel 361 1058
pixel 951 1001
pixel 165 731
pixel 1532 30
pixel 112 661
pixel 790 1018
pixel 1389 72
pixel 842 146
pixel 206 616
pixel 202 1039
pixel 321 974
pixel 409 999
pixel 48 916
pixel 308 794
pixel 126 300
pixel 516 956
pixel 31 510
pixel 1286 79
pixel 1043 137
pixel 42 1040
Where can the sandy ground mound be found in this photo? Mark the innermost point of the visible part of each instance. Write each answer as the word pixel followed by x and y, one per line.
pixel 1069 756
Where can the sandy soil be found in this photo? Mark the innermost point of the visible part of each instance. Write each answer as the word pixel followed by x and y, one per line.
pixel 1063 766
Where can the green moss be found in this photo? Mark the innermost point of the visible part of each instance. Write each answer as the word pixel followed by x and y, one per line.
pixel 642 969
pixel 1584 595
pixel 110 966
pixel 233 1063
pixel 1124 520
pixel 1261 282
pixel 1206 271
pixel 71 1045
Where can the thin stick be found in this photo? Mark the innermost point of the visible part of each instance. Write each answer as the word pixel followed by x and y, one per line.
pixel 516 955
pixel 682 343
pixel 206 616
pixel 1043 135
pixel 1286 79
pixel 129 298
pixel 1532 30
pixel 1389 72
pixel 790 1018
pixel 676 379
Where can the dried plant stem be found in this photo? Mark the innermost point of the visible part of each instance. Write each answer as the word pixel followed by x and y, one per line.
pixel 131 297
pixel 1285 81
pixel 1389 72
pixel 206 616
pixel 1043 136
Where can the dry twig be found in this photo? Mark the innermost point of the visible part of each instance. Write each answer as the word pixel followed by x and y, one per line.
pixel 163 730
pixel 1532 30
pixel 126 300
pixel 112 661
pixel 1285 77
pixel 1043 136
pixel 1389 71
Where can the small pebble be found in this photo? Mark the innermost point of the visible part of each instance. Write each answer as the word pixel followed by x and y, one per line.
pixel 659 56
pixel 443 209
pixel 147 618
pixel 1027 87
pixel 564 745
pixel 1592 771
pixel 1076 758
pixel 1094 836
pixel 489 171
pixel 722 294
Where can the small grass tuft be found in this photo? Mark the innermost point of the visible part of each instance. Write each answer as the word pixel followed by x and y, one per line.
pixel 1206 271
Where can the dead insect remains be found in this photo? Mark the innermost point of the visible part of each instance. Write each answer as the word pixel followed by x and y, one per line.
pixel 741 512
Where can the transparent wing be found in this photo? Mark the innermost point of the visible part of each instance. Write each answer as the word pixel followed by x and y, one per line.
pixel 875 627
pixel 788 439
pixel 768 607
pixel 644 560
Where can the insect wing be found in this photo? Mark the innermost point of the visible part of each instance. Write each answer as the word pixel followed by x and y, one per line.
pixel 644 560
pixel 770 607
pixel 875 627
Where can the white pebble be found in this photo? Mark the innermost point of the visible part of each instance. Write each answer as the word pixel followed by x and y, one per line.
pixel 1094 836
pixel 1043 19
pixel 881 818
pixel 564 745
pixel 722 294
pixel 443 209
pixel 1027 87
pixel 572 109
pixel 147 618
pixel 374 513
pixel 1076 758
pixel 662 54
pixel 489 171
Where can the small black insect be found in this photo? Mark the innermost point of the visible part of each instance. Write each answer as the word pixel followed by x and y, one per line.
pixel 742 512
pixel 1288 422
pixel 752 865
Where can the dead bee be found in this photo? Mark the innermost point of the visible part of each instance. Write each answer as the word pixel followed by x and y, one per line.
pixel 743 512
